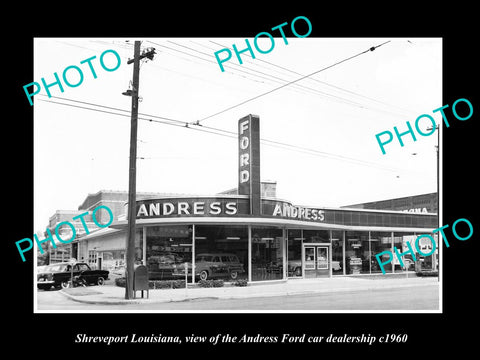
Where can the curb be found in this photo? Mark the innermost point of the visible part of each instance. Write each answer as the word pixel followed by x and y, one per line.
pixel 81 299
pixel 191 297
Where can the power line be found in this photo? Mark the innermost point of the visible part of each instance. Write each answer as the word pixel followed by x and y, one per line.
pixel 306 89
pixel 176 123
pixel 210 61
pixel 289 83
pixel 315 80
pixel 278 79
pixel 222 132
pixel 113 108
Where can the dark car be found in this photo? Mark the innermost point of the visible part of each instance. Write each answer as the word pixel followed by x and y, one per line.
pixel 59 275
pixel 163 266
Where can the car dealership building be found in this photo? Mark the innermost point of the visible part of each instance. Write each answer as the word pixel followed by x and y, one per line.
pixel 272 239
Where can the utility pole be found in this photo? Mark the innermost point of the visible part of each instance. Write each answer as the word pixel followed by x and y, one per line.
pixel 132 175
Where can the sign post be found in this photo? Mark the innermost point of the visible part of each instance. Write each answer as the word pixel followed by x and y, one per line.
pixel 249 161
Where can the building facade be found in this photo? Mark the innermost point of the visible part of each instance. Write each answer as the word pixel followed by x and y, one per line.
pixel 248 233
pixel 423 203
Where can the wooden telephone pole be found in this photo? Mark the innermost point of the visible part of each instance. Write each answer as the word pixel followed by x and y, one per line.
pixel 132 175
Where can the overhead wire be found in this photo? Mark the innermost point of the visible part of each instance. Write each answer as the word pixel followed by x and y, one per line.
pixel 277 79
pixel 257 60
pixel 289 83
pixel 209 61
pixel 297 87
pixel 217 131
pixel 272 78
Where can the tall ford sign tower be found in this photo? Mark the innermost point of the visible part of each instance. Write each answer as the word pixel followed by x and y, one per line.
pixel 249 161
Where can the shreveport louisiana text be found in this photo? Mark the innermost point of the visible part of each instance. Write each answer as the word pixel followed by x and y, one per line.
pixel 227 338
pixel 132 338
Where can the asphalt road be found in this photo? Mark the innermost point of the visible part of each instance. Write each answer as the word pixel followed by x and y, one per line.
pixel 405 298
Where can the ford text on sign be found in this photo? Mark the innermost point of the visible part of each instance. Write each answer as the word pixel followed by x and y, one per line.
pixel 249 160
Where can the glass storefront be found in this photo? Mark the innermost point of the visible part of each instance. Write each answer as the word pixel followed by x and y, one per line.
pixel 316 236
pixel 357 252
pixel 221 252
pixel 267 253
pixel 379 242
pixel 167 247
pixel 337 253
pixel 425 245
pixel 294 253
pixel 400 240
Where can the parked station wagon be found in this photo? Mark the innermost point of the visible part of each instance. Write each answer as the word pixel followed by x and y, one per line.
pixel 214 265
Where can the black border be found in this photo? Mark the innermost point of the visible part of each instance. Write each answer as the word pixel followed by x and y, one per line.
pixel 427 332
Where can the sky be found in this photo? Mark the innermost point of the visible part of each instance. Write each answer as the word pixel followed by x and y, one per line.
pixel 326 122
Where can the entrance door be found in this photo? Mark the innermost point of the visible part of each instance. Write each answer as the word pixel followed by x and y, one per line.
pixel 316 261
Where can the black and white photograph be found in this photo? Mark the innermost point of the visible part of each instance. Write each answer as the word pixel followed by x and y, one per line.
pixel 264 182
pixel 285 184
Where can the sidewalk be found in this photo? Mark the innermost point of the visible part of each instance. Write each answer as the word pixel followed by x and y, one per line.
pixel 111 294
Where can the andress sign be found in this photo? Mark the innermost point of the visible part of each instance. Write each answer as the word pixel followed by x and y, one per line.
pixel 179 207
pixel 249 161
pixel 297 212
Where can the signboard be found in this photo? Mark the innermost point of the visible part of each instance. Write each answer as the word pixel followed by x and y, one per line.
pixel 227 206
pixel 249 160
pixel 186 207
pixel 289 211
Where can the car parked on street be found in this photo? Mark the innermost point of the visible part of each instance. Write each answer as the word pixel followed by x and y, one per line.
pixel 59 275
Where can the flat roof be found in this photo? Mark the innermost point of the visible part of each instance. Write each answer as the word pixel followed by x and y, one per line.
pixel 265 221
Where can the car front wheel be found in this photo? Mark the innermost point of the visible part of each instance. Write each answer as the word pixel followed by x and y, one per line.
pixel 100 281
pixel 234 275
pixel 204 275
pixel 65 284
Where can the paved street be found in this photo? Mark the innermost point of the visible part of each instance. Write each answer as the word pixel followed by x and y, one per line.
pixel 405 298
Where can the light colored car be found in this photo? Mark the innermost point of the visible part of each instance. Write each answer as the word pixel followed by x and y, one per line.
pixel 214 265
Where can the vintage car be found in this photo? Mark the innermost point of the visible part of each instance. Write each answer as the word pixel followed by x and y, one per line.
pixel 294 267
pixel 163 266
pixel 59 275
pixel 214 265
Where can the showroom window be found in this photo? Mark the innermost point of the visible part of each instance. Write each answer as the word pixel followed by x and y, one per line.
pixel 400 240
pixel 294 253
pixel 337 252
pixel 168 249
pixel 426 246
pixel 267 253
pixel 357 252
pixel 379 242
pixel 316 236
pixel 221 252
